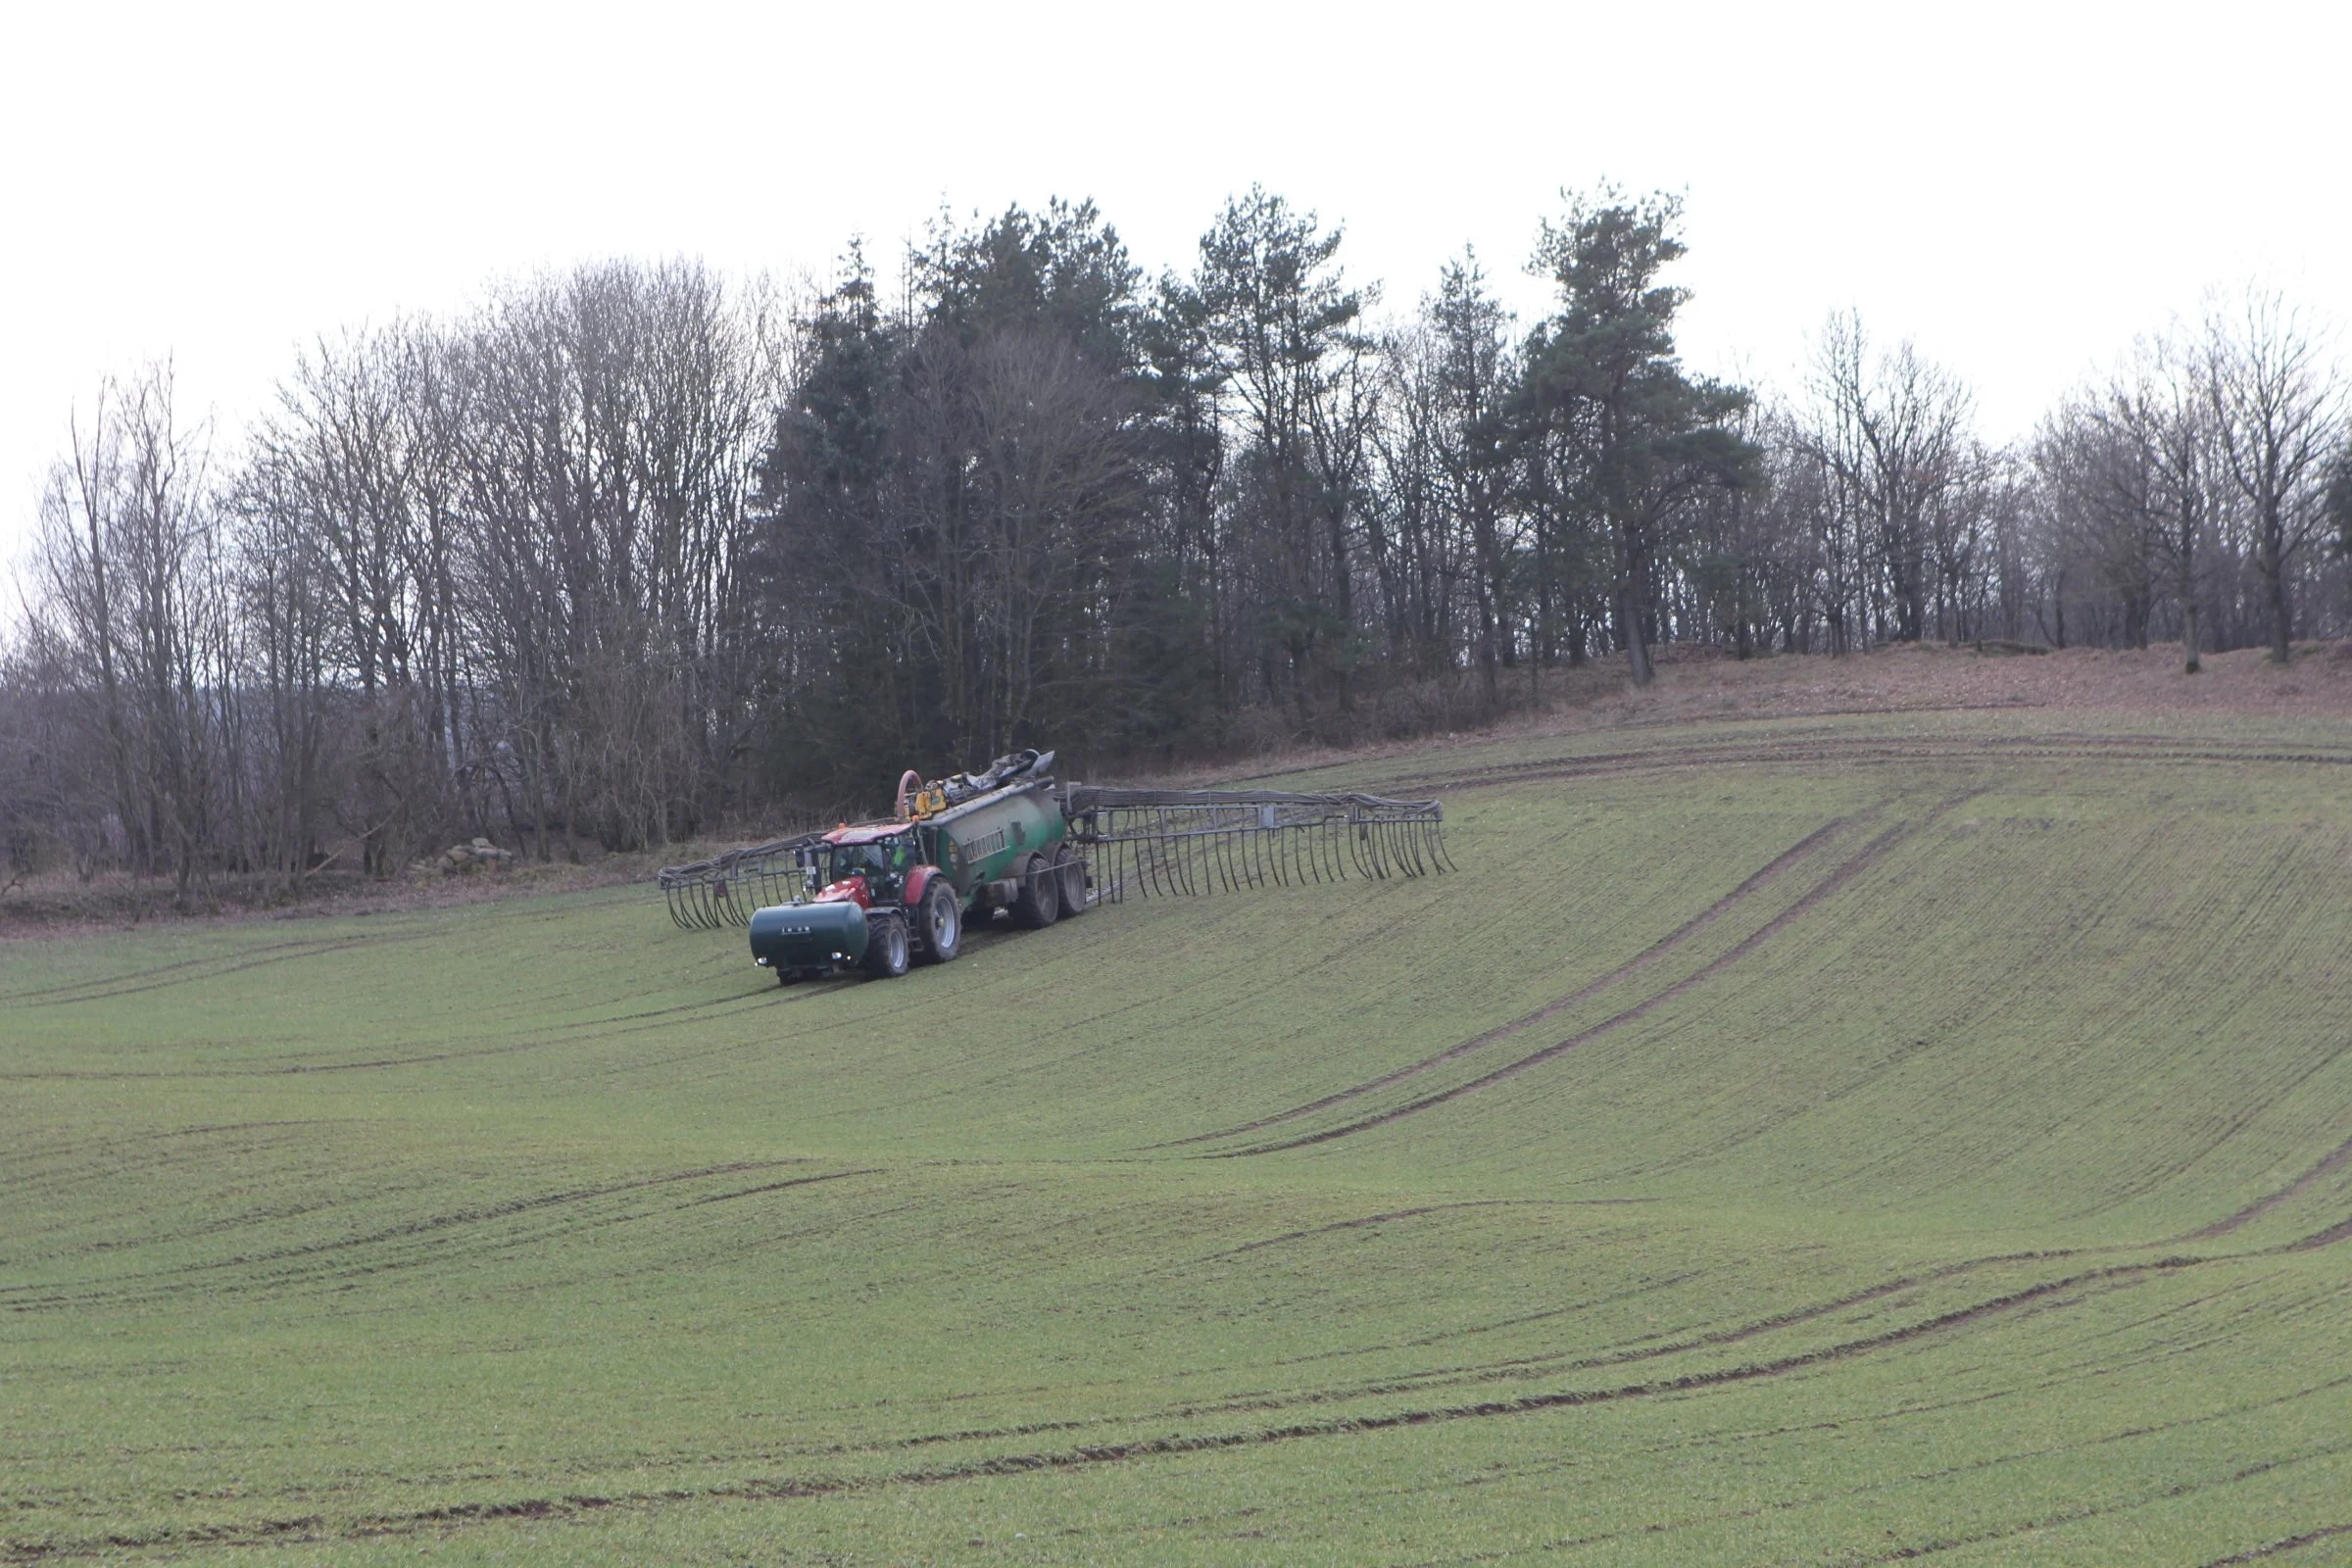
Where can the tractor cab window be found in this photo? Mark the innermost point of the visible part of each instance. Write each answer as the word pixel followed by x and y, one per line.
pixel 886 858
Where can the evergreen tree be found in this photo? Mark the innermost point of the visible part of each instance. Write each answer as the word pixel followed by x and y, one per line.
pixel 1474 367
pixel 1278 314
pixel 1603 376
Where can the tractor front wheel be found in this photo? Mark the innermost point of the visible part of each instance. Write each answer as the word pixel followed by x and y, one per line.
pixel 886 950
pixel 939 921
pixel 1038 902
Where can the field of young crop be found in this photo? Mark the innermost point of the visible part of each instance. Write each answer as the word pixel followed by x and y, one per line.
pixel 1833 1139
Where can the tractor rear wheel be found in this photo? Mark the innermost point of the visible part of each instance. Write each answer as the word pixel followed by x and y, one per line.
pixel 939 921
pixel 1038 902
pixel 1070 872
pixel 886 950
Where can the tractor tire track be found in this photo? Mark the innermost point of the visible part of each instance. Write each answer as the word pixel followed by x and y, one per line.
pixel 311 944
pixel 2309 1538
pixel 410 1228
pixel 1810 723
pixel 2263 1205
pixel 2084 1511
pixel 1361 1221
pixel 1718 1337
pixel 429 1253
pixel 1979 1466
pixel 1971 748
pixel 119 985
pixel 1243 1404
pixel 587 1031
pixel 2327 1237
pixel 1558 1363
pixel 111 1160
pixel 1065 1460
pixel 1854 866
pixel 1648 956
pixel 90 992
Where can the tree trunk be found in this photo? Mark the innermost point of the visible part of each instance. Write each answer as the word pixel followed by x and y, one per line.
pixel 1630 628
pixel 1637 655
pixel 2274 573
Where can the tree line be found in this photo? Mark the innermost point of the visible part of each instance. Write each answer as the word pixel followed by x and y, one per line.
pixel 637 553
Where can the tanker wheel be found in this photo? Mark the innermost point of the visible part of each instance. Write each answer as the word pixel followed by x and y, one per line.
pixel 939 922
pixel 1038 904
pixel 1070 871
pixel 886 950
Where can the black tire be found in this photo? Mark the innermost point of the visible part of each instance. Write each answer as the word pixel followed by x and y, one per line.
pixel 1070 872
pixel 939 922
pixel 886 950
pixel 1038 902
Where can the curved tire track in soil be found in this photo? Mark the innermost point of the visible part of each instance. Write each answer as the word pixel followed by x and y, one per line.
pixel 1853 867
pixel 109 1157
pixel 588 1031
pixel 1521 1368
pixel 2309 1538
pixel 1856 750
pixel 2334 1234
pixel 429 1225
pixel 2263 1205
pixel 1662 1528
pixel 315 944
pixel 91 990
pixel 1051 1460
pixel 2075 1515
pixel 1648 956
pixel 1364 1220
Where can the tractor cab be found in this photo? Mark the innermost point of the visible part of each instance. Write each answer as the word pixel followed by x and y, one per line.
pixel 868 864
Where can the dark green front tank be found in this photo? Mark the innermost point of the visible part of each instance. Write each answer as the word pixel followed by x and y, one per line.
pixel 792 937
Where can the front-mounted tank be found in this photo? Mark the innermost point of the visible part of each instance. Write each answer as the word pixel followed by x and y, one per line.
pixel 795 939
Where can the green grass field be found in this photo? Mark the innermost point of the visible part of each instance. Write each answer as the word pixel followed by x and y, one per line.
pixel 1837 1140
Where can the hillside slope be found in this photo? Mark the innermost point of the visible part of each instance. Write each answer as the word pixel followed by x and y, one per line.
pixel 1832 1138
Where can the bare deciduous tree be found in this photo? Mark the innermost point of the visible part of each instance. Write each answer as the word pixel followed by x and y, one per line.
pixel 2278 411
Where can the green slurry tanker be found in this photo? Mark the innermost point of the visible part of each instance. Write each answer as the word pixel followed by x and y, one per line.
pixel 879 897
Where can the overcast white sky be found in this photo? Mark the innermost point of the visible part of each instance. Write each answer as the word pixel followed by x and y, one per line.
pixel 2017 187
